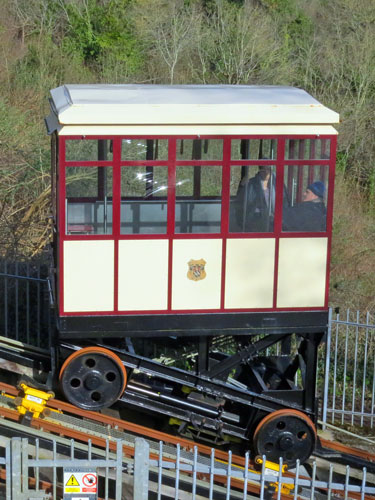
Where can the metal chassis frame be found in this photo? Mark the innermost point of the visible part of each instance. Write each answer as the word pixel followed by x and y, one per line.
pixel 211 381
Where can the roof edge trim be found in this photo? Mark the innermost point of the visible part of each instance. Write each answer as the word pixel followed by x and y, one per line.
pixel 179 130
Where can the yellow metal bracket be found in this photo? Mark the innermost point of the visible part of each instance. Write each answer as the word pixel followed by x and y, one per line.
pixel 33 401
pixel 273 469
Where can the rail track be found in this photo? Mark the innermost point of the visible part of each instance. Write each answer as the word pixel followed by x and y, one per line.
pixel 82 425
pixel 328 448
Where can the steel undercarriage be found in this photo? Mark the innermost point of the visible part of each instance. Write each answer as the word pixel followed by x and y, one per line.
pixel 212 388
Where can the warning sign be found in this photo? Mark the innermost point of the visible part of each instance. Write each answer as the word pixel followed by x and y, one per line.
pixel 72 481
pixel 78 481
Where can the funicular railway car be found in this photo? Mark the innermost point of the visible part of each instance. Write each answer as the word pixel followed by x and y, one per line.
pixel 192 247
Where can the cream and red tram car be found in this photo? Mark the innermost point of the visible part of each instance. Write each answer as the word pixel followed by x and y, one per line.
pixel 182 287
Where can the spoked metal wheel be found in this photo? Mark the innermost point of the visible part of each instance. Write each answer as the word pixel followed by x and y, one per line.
pixel 93 378
pixel 289 434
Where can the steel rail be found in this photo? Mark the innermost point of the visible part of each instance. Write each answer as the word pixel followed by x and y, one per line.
pixel 44 425
pixel 238 461
pixel 170 439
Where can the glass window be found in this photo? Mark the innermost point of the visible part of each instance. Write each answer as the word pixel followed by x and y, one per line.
pixel 88 150
pixel 252 199
pixel 198 199
pixel 88 200
pixel 307 149
pixel 254 149
pixel 144 200
pixel 144 149
pixel 306 187
pixel 199 149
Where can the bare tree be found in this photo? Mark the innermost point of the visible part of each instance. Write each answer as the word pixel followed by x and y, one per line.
pixel 235 42
pixel 33 17
pixel 347 79
pixel 168 29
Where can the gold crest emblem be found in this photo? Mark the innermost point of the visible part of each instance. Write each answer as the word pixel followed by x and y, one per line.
pixel 196 270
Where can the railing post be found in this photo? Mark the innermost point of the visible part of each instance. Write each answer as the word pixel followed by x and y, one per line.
pixel 24 467
pixel 141 469
pixel 8 471
pixel 15 467
pixel 326 369
pixel 118 469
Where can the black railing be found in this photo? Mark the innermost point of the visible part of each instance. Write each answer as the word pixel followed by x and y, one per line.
pixel 25 302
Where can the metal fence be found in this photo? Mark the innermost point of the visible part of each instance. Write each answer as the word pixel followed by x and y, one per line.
pixel 25 298
pixel 349 385
pixel 238 482
pixel 26 473
pixel 41 478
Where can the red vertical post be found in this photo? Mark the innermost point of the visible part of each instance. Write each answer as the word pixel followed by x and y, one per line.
pixel 225 210
pixel 278 213
pixel 171 214
pixel 324 155
pixel 312 157
pixel 116 213
pixel 330 200
pixel 291 168
pixel 61 193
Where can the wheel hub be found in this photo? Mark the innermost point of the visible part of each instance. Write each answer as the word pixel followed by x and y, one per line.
pixel 93 378
pixel 286 442
pixel 92 381
pixel 289 434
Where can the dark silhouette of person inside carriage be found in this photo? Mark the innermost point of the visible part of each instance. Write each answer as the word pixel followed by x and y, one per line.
pixel 255 202
pixel 310 214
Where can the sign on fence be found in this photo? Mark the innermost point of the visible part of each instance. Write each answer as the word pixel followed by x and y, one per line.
pixel 80 483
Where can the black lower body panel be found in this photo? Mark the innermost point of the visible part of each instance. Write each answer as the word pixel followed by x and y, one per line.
pixel 208 324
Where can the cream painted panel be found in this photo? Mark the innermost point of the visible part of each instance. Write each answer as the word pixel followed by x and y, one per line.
pixel 302 272
pixel 197 129
pixel 202 294
pixel 88 276
pixel 143 275
pixel 249 274
pixel 112 114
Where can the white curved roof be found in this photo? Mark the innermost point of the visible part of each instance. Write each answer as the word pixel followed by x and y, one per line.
pixel 185 105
